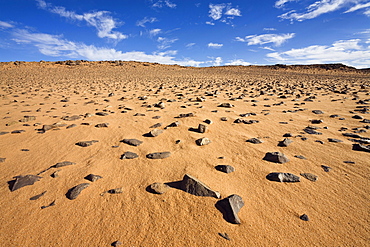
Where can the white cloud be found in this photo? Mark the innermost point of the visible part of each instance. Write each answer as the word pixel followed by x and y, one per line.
pixel 215 45
pixel 4 24
pixel 57 46
pixel 210 23
pixel 165 43
pixel 101 20
pixel 233 11
pixel 322 7
pixel 367 13
pixel 281 3
pixel 276 39
pixel 215 11
pixel 142 22
pixel 154 32
pixel 190 45
pixel 358 6
pixel 217 61
pixel 238 62
pixel 163 3
pixel 269 29
pixel 349 52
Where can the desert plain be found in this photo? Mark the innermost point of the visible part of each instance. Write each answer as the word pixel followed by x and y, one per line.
pixel 291 143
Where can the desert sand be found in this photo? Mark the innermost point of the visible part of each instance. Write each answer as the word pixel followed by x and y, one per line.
pixel 50 112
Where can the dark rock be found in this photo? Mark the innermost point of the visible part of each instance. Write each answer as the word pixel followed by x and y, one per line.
pixel 318 112
pixel 202 128
pixel 64 163
pixel 224 119
pixel 116 243
pixel 300 157
pixel 283 177
pixel 287 135
pixel 326 168
pixel 195 187
pixel 319 141
pixel 284 143
pixel 227 105
pixel 50 205
pixel 351 135
pixel 3 133
pixel 129 156
pixel 86 143
pixel 349 162
pixel 365 121
pixel 2 160
pixel 310 176
pixel 160 155
pixel 311 131
pixel 159 188
pixel 22 181
pixel 174 124
pixel 93 178
pixel 316 121
pixel 208 121
pixel 132 142
pixel 360 147
pixel 225 168
pixel 37 196
pixel 230 207
pixel 75 191
pixel 157 125
pixel 183 115
pixel 27 119
pixel 224 235
pixel 71 126
pixel 55 174
pixel 203 141
pixel 17 131
pixel 276 157
pixel 334 140
pixel 115 191
pixel 71 118
pixel 254 140
pixel 304 217
pixel 357 117
pixel 155 132
pixel 101 114
pixel 102 125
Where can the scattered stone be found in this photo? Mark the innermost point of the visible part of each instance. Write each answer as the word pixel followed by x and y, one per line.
pixel 22 181
pixel 334 140
pixel 178 141
pixel 86 143
pixel 116 243
pixel 254 141
pixel 349 162
pixel 50 205
pixel 160 155
pixel 287 135
pixel 358 117
pixel 318 112
pixel 3 133
pixel 283 177
pixel 319 141
pixel 300 157
pixel 37 196
pixel 174 124
pixel 208 121
pixel 155 132
pixel 203 141
pixel 202 128
pixel 102 125
pixel 225 168
pixel 64 163
pixel 71 126
pixel 132 142
pixel 310 176
pixel 326 168
pixel 2 160
pixel 360 147
pixel 27 118
pixel 311 131
pixel 316 121
pixel 71 118
pixel 157 125
pixel 284 143
pixel 75 191
pixel 276 157
pixel 304 217
pixel 352 135
pixel 17 131
pixel 159 188
pixel 101 114
pixel 226 105
pixel 186 115
pixel 224 119
pixel 55 174
pixel 115 191
pixel 224 235
pixel 195 187
pixel 129 156
pixel 231 206
pixel 93 178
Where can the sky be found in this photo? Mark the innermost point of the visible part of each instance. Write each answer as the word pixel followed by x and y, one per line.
pixel 187 32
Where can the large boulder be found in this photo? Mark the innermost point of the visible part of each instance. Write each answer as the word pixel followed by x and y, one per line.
pixel 230 207
pixel 195 187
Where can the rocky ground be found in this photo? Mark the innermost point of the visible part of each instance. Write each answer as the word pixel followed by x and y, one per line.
pixel 140 154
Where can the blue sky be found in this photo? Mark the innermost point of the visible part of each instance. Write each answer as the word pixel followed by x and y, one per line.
pixel 187 32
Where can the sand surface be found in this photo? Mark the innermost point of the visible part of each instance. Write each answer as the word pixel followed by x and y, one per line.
pixel 282 100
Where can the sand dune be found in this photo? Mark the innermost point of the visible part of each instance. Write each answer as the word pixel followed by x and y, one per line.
pixel 47 108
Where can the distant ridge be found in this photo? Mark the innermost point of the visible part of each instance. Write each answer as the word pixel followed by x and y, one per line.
pixel 327 67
